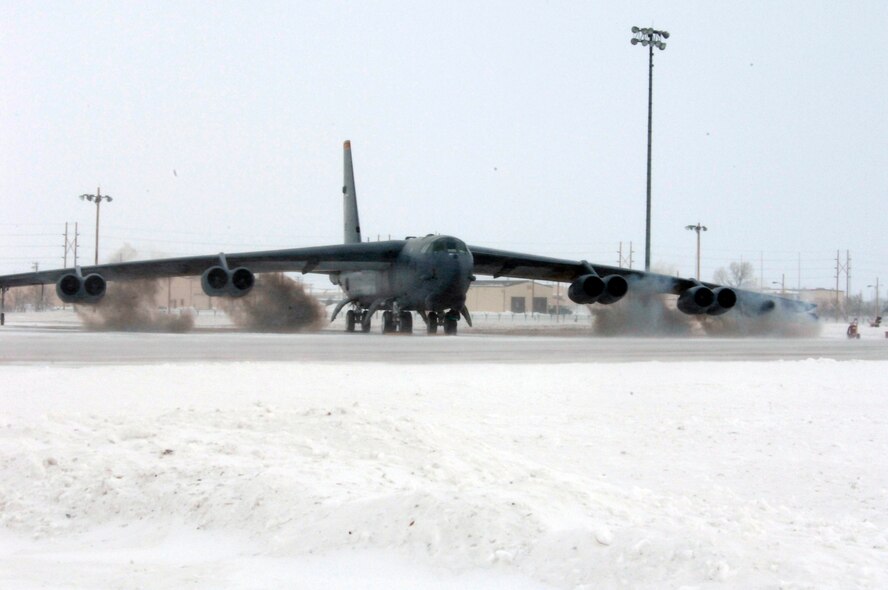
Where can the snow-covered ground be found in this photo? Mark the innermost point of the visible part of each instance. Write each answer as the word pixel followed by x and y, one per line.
pixel 338 475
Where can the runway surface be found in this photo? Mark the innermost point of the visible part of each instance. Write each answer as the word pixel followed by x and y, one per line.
pixel 72 345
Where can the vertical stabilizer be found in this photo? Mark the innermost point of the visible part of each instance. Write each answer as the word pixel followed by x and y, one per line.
pixel 352 226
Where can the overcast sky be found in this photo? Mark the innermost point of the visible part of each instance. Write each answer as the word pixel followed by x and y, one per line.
pixel 219 126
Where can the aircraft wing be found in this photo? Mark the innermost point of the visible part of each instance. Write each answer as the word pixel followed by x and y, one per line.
pixel 318 259
pixel 501 263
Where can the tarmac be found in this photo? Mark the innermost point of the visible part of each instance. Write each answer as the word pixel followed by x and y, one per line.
pixel 66 342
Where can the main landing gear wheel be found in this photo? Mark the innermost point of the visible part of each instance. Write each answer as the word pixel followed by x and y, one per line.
pixel 350 320
pixel 365 321
pixel 405 322
pixel 388 322
pixel 450 323
pixel 433 323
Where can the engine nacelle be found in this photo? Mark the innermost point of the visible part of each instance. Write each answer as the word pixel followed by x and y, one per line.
pixel 594 289
pixel 615 287
pixel 586 289
pixel 72 288
pixel 725 300
pixel 217 281
pixel 696 300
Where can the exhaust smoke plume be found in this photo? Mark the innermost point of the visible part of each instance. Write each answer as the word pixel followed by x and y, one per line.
pixel 779 324
pixel 643 312
pixel 131 306
pixel 276 304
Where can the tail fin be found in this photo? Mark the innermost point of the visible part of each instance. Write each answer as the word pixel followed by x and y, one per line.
pixel 349 199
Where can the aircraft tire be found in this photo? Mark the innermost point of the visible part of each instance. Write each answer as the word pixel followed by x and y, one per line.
pixel 433 323
pixel 365 322
pixel 405 322
pixel 350 320
pixel 450 325
pixel 388 322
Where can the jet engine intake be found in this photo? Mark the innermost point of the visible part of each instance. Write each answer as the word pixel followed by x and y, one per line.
pixel 586 289
pixel 72 288
pixel 592 288
pixel 615 287
pixel 696 300
pixel 725 300
pixel 217 281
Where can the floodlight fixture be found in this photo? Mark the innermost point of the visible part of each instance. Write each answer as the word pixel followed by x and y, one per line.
pixel 97 199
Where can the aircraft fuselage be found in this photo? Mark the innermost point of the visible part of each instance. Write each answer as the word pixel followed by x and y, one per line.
pixel 432 273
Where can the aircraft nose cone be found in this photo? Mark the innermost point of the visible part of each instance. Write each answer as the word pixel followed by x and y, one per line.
pixel 453 282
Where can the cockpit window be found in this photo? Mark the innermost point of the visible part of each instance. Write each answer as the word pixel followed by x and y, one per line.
pixel 447 244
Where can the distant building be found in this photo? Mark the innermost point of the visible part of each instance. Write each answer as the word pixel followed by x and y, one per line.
pixel 517 296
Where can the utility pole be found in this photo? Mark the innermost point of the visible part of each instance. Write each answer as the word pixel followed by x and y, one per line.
pixel 70 245
pixel 799 281
pixel 698 228
pixel 649 38
pixel 97 199
pixel 625 261
pixel 847 274
pixel 838 271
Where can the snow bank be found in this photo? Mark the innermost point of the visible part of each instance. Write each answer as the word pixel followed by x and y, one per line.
pixel 643 475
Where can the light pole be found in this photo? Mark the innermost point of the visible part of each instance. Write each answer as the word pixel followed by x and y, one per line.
pixel 97 198
pixel 698 228
pixel 649 38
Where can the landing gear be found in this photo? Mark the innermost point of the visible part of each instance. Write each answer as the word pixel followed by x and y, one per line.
pixel 353 317
pixel 397 321
pixel 365 321
pixel 433 323
pixel 405 322
pixel 450 322
pixel 388 322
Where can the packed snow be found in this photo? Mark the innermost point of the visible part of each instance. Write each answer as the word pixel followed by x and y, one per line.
pixel 336 475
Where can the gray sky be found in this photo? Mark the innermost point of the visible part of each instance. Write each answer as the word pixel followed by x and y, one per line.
pixel 218 126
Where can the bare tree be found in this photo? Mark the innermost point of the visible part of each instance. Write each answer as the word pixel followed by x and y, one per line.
pixel 738 274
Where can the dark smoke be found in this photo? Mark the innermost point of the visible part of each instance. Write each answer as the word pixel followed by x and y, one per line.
pixel 774 324
pixel 641 314
pixel 132 306
pixel 276 304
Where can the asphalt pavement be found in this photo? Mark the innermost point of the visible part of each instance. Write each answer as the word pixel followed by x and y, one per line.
pixel 71 345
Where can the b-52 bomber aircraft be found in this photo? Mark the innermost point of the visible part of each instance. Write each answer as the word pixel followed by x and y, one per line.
pixel 429 275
